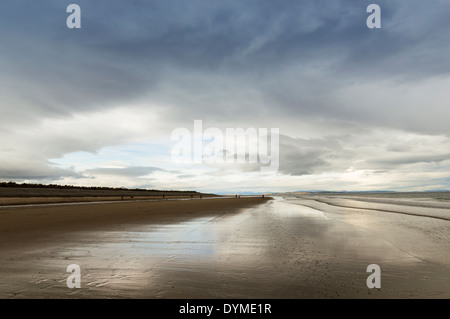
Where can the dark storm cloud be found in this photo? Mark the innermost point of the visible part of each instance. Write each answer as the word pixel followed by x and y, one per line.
pixel 123 50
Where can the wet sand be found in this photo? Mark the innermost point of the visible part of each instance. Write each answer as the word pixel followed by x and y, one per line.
pixel 221 248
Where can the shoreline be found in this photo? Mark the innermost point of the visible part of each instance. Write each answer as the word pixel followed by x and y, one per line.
pixel 218 248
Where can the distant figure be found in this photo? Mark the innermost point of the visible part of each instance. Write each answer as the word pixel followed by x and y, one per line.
pixel 236 196
pixel 164 196
pixel 122 197
pixel 262 196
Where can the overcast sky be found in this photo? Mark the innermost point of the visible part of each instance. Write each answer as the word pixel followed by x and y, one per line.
pixel 356 108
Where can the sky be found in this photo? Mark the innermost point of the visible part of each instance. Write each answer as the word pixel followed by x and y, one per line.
pixel 354 108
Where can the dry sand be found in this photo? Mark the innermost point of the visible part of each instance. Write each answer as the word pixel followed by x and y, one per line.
pixel 8 201
pixel 217 248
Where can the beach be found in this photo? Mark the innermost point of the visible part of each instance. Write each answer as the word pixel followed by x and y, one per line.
pixel 294 246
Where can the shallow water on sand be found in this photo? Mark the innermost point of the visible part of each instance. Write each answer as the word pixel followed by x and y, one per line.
pixel 280 249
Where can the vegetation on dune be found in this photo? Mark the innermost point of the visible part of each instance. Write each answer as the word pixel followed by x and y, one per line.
pixel 27 185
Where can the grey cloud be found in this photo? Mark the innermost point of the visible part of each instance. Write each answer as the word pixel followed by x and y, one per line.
pixel 305 156
pixel 34 170
pixel 391 161
pixel 127 171
pixel 381 172
pixel 186 176
pixel 297 157
pixel 340 153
